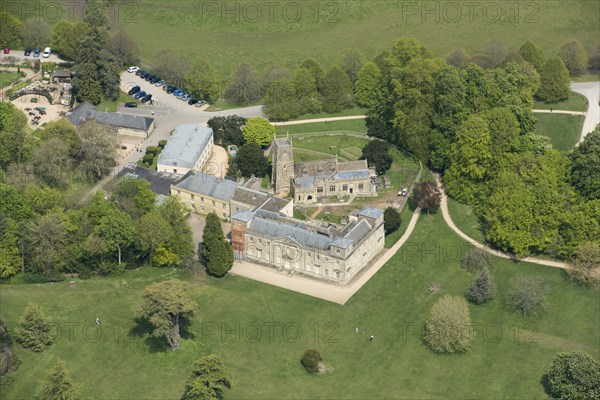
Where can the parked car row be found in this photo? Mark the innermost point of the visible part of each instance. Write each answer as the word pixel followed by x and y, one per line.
pixel 138 94
pixel 158 82
pixel 36 52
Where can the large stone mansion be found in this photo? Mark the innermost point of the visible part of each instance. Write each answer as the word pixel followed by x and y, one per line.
pixel 310 181
pixel 294 246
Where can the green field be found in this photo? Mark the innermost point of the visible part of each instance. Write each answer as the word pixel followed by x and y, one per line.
pixel 465 219
pixel 508 357
pixel 346 146
pixel 575 102
pixel 353 125
pixel 562 129
pixel 405 216
pixel 231 32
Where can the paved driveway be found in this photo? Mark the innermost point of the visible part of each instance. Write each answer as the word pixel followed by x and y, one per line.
pixel 591 90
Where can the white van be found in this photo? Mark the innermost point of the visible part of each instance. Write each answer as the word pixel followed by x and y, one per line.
pixel 47 52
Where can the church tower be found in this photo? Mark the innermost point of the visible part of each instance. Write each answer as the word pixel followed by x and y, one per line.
pixel 283 165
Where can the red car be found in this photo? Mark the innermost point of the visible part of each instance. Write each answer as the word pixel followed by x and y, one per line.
pixel 6 50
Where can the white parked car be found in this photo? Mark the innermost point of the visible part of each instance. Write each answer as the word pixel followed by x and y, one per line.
pixel 47 52
pixel 132 69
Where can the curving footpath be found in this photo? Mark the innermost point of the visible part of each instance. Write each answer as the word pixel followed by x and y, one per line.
pixel 311 287
pixel 475 243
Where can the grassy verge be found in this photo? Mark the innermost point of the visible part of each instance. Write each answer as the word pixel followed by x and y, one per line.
pixel 7 78
pixel 405 216
pixel 562 129
pixel 343 113
pixel 353 125
pixel 587 77
pixel 507 359
pixel 465 219
pixel 112 105
pixel 575 102
pixel 348 147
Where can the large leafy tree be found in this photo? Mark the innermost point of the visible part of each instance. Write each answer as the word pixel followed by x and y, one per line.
pixel 448 327
pixel 391 220
pixel 376 152
pixel 244 86
pixel 305 87
pixel 581 223
pixel 426 196
pixel 66 36
pixel 10 262
pixel 585 169
pixel 533 54
pixel 315 70
pixel 47 241
pixel 201 81
pixel 574 56
pixel 64 132
pixel 59 385
pixel 13 135
pixel 209 379
pixel 35 33
pixel 52 163
pixel 36 331
pixel 258 130
pixel 470 158
pixel 366 84
pixel 117 230
pixel 153 232
pixel 171 67
pixel 10 33
pixel 574 375
pixel 123 48
pixel 280 101
pixel 336 90
pixel 251 160
pixel 97 153
pixel 168 307
pixel 352 62
pixel 555 81
pixel 134 196
pixel 585 264
pixel 181 243
pixel 228 130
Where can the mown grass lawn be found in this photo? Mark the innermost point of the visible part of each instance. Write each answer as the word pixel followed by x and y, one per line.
pixel 575 102
pixel 405 216
pixel 509 354
pixel 466 220
pixel 562 129
pixel 112 105
pixel 9 77
pixel 333 144
pixel 353 125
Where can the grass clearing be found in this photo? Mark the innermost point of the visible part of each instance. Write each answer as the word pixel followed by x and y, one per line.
pixel 562 129
pixel 356 126
pixel 344 113
pixel 509 354
pixel 466 220
pixel 405 216
pixel 7 78
pixel 575 102
pixel 333 144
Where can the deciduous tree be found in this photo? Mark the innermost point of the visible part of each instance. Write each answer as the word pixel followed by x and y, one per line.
pixel 52 163
pixel 352 62
pixel 97 153
pixel 336 90
pixel 9 361
pixel 35 33
pixel 533 54
pixel 123 48
pixel 280 101
pixel 574 56
pixel 305 87
pixel 244 86
pixel 458 58
pixel 47 241
pixel 13 135
pixel 367 84
pixel 167 307
pixel 10 262
pixel 376 152
pixel 258 130
pixel 574 375
pixel 527 294
pixel 10 34
pixel 448 329
pixel 228 130
pixel 251 160
pixel 585 166
pixel 66 36
pixel 554 81
pixel 391 220
pixel 201 81
pixel 427 196
pixel 171 67
pixel 153 231
pixel 585 264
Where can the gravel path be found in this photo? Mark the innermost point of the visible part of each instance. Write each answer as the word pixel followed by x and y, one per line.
pixel 591 90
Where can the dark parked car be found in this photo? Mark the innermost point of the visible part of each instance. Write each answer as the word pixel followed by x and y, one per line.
pixel 140 95
pixel 144 74
pixel 134 90
pixel 149 77
pixel 154 80
pixel 37 52
pixel 131 104
pixel 192 102
pixel 146 98
pixel 140 72
pixel 27 52
pixel 171 89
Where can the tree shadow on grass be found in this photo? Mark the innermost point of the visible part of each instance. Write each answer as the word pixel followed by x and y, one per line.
pixel 142 329
pixel 546 384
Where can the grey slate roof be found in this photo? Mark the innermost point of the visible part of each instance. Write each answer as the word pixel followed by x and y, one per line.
pixel 185 146
pixel 61 73
pixel 160 182
pixel 348 175
pixel 208 185
pixel 371 212
pixel 274 229
pixel 359 231
pixel 87 111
